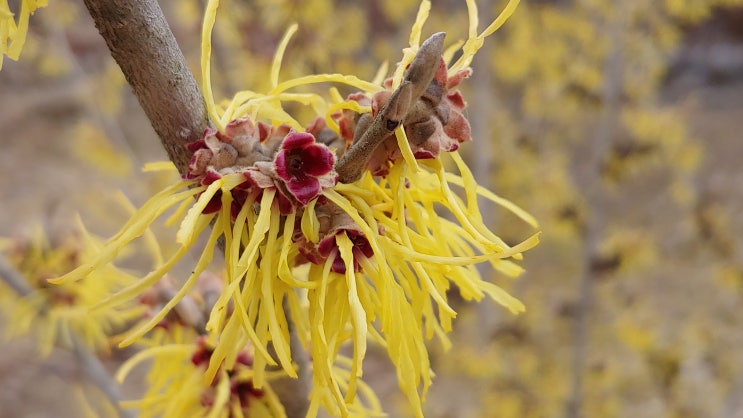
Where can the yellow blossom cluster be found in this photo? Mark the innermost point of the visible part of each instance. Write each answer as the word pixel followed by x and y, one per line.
pixel 383 251
pixel 59 314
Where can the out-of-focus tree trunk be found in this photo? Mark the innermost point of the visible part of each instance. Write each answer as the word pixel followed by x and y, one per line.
pixel 483 105
pixel 593 192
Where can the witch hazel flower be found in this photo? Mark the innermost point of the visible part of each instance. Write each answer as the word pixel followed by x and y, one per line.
pixel 275 157
pixel 51 312
pixel 361 249
pixel 332 221
pixel 305 166
pixel 240 146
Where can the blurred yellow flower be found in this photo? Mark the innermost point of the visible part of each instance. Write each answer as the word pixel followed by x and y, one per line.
pixel 176 387
pixel 13 28
pixel 55 313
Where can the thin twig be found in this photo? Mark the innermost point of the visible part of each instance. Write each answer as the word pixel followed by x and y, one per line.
pixel 98 374
pixel 14 278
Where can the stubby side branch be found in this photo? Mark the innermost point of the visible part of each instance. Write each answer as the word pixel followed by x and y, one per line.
pixel 351 165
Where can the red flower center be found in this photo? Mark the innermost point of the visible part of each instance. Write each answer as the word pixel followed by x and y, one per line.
pixel 295 163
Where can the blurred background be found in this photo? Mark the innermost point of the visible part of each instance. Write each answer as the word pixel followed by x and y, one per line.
pixel 616 123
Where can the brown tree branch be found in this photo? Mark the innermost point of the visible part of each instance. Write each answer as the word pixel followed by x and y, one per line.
pixel 142 44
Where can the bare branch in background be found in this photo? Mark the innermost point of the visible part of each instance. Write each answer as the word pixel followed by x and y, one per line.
pixel 484 104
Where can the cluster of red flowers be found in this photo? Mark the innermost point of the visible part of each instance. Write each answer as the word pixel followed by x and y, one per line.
pixel 270 157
